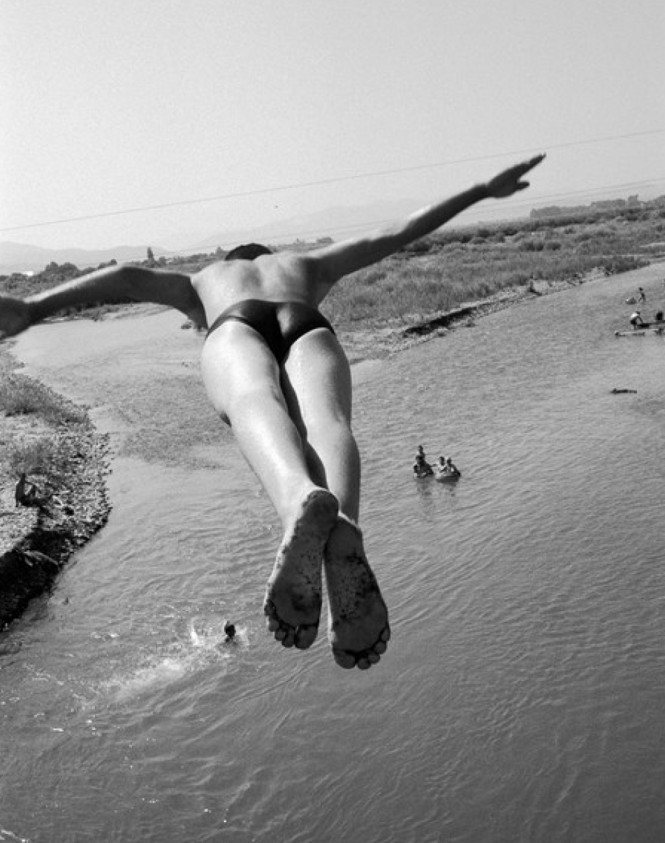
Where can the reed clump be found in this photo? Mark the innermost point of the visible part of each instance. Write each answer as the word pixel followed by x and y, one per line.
pixel 37 428
pixel 23 396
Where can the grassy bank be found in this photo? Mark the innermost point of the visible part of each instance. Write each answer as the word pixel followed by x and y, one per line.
pixel 457 265
pixel 460 265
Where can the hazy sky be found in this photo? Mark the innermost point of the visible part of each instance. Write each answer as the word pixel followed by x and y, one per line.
pixel 118 105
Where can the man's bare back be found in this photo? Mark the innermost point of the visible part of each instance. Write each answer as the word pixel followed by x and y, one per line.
pixel 278 277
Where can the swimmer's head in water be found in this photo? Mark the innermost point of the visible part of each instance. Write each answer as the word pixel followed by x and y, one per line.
pixel 247 252
pixel 229 630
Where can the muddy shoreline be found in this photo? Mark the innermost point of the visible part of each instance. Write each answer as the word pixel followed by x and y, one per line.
pixel 379 341
pixel 37 541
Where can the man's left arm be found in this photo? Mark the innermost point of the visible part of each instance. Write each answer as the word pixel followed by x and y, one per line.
pixel 348 256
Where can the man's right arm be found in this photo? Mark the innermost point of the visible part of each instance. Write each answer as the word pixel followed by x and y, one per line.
pixel 104 286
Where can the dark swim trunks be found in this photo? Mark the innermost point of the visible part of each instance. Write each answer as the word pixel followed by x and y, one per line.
pixel 279 323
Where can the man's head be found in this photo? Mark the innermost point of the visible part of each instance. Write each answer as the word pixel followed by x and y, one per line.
pixel 247 252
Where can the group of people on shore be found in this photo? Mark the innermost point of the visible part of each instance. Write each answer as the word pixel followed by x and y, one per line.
pixel 637 322
pixel 442 467
pixel 636 319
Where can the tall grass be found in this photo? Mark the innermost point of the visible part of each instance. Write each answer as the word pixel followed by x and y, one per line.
pixel 39 455
pixel 39 449
pixel 21 395
pixel 462 265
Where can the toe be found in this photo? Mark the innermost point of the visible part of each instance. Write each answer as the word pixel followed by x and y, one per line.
pixel 345 660
pixel 305 635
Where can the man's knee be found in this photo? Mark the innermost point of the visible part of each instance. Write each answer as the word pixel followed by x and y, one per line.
pixel 331 434
pixel 258 399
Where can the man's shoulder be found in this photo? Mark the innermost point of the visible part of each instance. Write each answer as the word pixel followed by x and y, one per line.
pixel 291 257
pixel 306 266
pixel 211 269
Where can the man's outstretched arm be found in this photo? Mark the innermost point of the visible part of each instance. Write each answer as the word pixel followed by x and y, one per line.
pixel 350 255
pixel 104 286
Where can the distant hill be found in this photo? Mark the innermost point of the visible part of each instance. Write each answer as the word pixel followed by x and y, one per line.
pixel 337 222
pixel 632 203
pixel 21 257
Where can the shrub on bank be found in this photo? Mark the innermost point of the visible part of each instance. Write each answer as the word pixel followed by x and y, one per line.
pixel 39 455
pixel 38 449
pixel 21 396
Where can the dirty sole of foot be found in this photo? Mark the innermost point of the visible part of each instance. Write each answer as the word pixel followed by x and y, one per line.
pixel 293 595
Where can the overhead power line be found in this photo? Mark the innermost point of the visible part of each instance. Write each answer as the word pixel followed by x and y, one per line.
pixel 498 208
pixel 319 182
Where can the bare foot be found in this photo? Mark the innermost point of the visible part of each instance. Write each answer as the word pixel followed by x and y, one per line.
pixel 358 629
pixel 293 595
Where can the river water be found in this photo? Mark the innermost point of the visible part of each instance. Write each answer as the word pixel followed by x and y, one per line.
pixel 522 694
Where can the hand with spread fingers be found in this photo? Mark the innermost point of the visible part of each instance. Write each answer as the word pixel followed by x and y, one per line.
pixel 509 181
